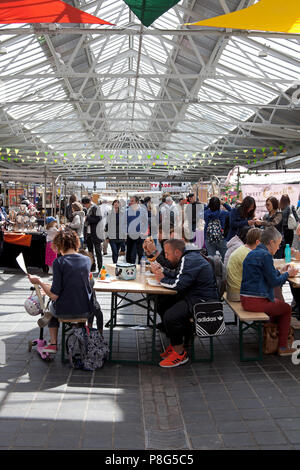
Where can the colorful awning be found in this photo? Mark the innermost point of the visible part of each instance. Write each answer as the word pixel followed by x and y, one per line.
pixel 43 11
pixel 267 15
pixel 149 10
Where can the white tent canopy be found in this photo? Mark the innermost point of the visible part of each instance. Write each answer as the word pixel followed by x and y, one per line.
pixel 262 177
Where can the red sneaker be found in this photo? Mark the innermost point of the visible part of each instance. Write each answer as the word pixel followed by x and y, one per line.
pixel 174 359
pixel 50 348
pixel 167 352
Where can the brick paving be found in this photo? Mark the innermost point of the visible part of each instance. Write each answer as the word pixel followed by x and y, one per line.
pixel 223 405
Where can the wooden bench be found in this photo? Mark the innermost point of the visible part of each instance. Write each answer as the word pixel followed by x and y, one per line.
pixel 248 320
pixel 67 326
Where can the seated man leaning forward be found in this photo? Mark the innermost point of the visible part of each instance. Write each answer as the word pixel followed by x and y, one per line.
pixel 70 291
pixel 194 281
pixel 258 282
pixel 234 272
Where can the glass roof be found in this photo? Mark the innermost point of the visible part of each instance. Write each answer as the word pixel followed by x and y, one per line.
pixel 176 95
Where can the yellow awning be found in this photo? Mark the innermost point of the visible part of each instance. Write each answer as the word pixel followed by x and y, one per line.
pixel 267 15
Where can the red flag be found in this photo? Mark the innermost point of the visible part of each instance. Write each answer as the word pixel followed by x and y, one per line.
pixel 43 11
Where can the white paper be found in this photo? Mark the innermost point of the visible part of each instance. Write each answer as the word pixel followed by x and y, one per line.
pixel 21 263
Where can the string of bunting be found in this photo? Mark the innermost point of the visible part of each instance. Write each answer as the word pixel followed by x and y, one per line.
pixel 248 156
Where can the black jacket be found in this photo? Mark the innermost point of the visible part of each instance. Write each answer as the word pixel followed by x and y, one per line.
pixel 193 279
pixel 92 220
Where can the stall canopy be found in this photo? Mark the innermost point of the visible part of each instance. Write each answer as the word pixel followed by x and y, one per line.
pixel 262 176
pixel 266 15
pixel 43 11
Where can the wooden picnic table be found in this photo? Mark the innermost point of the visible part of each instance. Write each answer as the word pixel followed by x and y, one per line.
pixel 121 290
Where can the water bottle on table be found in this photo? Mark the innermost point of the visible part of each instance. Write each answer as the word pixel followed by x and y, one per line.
pixel 287 253
pixel 143 265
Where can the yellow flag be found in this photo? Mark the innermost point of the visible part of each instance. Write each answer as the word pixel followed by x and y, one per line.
pixel 266 15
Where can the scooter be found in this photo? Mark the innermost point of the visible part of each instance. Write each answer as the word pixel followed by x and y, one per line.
pixel 40 343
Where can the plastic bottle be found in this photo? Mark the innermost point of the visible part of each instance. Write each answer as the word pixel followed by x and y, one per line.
pixel 287 253
pixel 103 273
pixel 143 265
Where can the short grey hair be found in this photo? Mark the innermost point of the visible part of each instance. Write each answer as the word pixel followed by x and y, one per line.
pixel 269 234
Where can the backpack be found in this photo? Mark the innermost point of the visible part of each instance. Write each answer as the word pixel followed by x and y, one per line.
pixel 209 319
pixel 214 231
pixel 219 271
pixel 86 348
pixel 292 222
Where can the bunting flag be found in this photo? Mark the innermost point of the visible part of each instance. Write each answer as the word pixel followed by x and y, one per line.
pixel 266 15
pixel 43 11
pixel 149 10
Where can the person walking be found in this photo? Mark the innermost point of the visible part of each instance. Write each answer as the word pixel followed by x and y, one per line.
pixel 273 219
pixel 114 229
pixel 92 220
pixel 215 218
pixel 137 228
pixel 287 209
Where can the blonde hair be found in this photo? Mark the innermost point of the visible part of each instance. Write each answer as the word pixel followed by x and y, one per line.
pixel 51 224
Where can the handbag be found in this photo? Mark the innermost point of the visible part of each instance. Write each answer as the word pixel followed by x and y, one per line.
pixel 270 338
pixel 209 319
pixel 292 223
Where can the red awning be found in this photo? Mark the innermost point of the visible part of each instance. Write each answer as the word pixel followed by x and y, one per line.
pixel 43 11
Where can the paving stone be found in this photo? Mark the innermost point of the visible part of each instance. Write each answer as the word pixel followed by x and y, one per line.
pixel 237 440
pixel 292 423
pixel 252 403
pixel 261 425
pixel 207 442
pixel 231 427
pixel 203 427
pixel 161 440
pixel 269 438
pixel 254 414
pixel 226 415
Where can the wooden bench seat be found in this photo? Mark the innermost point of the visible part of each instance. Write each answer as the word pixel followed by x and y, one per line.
pixel 243 314
pixel 72 320
pixel 248 320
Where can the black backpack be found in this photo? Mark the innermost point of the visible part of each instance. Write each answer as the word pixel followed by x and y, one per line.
pixel 86 348
pixel 219 271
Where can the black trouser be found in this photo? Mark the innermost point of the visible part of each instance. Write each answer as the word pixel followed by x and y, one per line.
pixel 95 243
pixel 288 237
pixel 116 245
pixel 175 313
pixel 296 294
pixel 97 312
pixel 134 247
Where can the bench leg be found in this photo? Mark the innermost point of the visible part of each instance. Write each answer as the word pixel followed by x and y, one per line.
pixel 211 351
pixel 63 343
pixel 257 326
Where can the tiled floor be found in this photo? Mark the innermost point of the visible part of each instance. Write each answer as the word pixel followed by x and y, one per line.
pixel 223 405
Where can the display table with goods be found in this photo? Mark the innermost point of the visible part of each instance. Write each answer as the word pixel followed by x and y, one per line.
pixel 32 244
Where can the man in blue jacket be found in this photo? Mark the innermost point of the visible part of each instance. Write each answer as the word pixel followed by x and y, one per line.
pixel 137 229
pixel 193 280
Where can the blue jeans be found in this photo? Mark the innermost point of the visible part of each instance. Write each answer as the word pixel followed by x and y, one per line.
pixel 220 246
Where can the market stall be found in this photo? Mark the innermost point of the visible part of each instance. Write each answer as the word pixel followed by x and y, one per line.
pixel 31 244
pixel 263 184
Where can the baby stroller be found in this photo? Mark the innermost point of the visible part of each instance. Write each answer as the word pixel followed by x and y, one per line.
pixel 34 305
